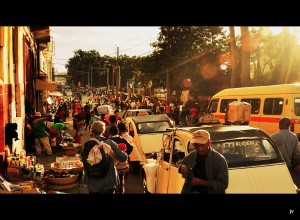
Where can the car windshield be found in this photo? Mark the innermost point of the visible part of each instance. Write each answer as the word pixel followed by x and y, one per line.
pixel 246 152
pixel 153 127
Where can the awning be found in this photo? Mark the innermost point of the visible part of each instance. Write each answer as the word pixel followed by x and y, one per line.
pixel 43 74
pixel 55 93
pixel 44 86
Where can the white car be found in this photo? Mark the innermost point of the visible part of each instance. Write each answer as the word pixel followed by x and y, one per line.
pixel 147 133
pixel 68 92
pixel 255 164
pixel 105 109
pixel 136 112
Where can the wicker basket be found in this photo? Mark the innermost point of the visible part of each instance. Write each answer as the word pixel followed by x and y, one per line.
pixel 58 187
pixel 74 169
pixel 61 181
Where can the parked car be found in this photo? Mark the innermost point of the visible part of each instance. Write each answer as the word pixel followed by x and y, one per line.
pixel 255 163
pixel 68 92
pixel 147 133
pixel 137 112
pixel 105 109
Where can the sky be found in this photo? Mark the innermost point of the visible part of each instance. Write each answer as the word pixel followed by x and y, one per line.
pixel 132 41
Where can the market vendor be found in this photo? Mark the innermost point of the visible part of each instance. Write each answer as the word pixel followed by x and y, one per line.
pixel 55 134
pixel 41 135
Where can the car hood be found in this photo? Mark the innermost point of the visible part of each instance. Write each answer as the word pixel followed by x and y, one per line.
pixel 261 179
pixel 151 142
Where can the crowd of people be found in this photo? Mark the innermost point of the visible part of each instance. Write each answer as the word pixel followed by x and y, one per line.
pixel 112 130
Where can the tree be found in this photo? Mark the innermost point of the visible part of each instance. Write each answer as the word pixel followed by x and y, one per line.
pixel 182 48
pixel 79 66
pixel 234 75
pixel 245 42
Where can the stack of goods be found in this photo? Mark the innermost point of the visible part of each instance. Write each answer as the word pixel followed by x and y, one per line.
pixel 27 187
pixel 70 149
pixel 67 163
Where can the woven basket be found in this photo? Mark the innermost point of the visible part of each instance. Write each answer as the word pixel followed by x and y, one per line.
pixel 58 187
pixel 74 169
pixel 61 181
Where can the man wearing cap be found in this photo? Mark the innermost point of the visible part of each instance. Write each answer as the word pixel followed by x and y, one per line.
pixel 41 136
pixel 204 169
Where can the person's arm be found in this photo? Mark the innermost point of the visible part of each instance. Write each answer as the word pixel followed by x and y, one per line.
pixel 119 154
pixel 220 182
pixel 184 166
pixel 129 146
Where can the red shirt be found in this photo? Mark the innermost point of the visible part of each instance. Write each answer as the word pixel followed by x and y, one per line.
pixel 194 112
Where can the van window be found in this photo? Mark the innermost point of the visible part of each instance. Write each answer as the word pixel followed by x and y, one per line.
pixel 273 106
pixel 297 106
pixel 224 104
pixel 255 105
pixel 213 106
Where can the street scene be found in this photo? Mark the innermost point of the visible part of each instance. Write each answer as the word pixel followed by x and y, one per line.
pixel 208 110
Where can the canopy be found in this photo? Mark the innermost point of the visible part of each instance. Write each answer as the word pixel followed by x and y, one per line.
pixel 55 93
pixel 44 85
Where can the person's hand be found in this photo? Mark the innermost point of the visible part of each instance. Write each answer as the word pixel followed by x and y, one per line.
pixel 196 181
pixel 184 171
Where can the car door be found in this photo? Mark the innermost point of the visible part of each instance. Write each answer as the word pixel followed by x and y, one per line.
pixel 175 181
pixel 164 167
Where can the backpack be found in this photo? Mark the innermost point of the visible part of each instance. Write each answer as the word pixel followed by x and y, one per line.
pixel 100 169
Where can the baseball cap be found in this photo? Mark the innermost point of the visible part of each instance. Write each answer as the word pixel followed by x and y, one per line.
pixel 200 137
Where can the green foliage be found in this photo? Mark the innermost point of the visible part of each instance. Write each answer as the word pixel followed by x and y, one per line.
pixel 183 49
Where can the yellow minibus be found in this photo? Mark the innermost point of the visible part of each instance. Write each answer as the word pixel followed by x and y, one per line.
pixel 269 104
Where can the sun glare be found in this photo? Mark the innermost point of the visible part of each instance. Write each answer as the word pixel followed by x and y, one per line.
pixel 275 30
pixel 293 30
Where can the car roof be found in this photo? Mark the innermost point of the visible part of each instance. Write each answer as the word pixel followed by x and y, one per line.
pixel 148 118
pixel 224 132
pixel 139 109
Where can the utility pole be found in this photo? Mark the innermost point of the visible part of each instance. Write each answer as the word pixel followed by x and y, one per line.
pixel 118 72
pixel 168 75
pixel 91 76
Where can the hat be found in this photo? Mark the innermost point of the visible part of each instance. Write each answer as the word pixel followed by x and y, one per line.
pixel 200 137
pixel 122 146
pixel 98 127
pixel 37 114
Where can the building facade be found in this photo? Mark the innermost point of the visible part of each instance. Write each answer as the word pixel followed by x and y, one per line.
pixel 25 69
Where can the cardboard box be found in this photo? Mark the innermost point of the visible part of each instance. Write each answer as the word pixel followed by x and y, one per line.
pixel 239 112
